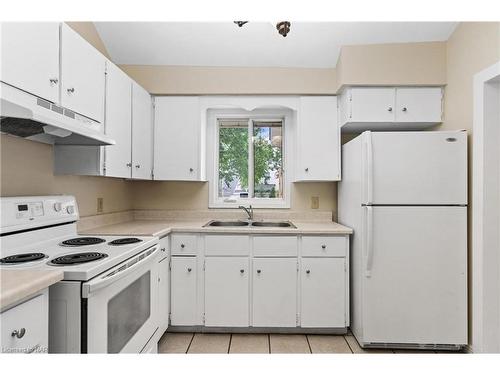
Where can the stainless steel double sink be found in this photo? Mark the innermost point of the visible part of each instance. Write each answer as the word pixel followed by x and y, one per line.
pixel 268 224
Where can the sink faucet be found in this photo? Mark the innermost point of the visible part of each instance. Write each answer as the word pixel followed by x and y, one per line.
pixel 248 210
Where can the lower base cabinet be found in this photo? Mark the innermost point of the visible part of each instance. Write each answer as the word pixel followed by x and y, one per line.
pixel 226 292
pixel 323 292
pixel 274 292
pixel 184 289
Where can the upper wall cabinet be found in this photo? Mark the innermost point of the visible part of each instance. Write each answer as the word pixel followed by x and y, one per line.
pixel 318 139
pixel 82 75
pixel 177 133
pixel 30 57
pixel 142 133
pixel 389 108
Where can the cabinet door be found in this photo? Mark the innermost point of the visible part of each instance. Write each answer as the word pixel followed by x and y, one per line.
pixel 372 104
pixel 142 133
pixel 226 292
pixel 82 76
pixel 183 292
pixel 318 139
pixel 323 292
pixel 418 104
pixel 164 294
pixel 274 292
pixel 177 138
pixel 118 122
pixel 30 57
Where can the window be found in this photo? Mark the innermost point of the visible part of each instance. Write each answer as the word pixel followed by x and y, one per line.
pixel 249 161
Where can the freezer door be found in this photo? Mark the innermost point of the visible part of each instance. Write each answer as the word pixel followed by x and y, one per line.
pixel 415 168
pixel 415 275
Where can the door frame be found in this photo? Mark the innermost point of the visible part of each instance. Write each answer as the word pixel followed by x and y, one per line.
pixel 485 226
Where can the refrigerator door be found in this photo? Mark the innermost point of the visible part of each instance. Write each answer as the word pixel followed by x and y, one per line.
pixel 414 275
pixel 415 168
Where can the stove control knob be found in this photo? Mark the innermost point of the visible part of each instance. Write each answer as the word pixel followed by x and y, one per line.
pixel 70 210
pixel 57 206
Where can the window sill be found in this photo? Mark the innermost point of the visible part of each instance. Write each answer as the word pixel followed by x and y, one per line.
pixel 255 203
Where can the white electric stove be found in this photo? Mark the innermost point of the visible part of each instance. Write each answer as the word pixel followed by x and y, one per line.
pixel 107 301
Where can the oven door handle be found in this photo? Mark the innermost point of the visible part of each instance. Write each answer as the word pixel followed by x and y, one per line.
pixel 121 270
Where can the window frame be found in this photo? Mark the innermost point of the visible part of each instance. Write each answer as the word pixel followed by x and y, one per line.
pixel 283 115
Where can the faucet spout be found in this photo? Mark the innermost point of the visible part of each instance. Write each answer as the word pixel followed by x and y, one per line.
pixel 248 210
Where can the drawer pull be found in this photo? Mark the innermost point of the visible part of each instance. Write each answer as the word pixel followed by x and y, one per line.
pixel 308 271
pixel 242 271
pixel 182 246
pixel 19 334
pixel 323 247
pixel 259 271
pixel 189 270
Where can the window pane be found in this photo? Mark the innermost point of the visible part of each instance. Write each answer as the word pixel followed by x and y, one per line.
pixel 268 168
pixel 233 158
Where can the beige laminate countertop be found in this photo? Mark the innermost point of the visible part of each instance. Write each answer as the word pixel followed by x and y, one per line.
pixel 162 228
pixel 19 284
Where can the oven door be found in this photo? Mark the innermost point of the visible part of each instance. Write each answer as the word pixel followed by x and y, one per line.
pixel 121 306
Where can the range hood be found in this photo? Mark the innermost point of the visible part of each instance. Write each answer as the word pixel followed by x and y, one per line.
pixel 27 116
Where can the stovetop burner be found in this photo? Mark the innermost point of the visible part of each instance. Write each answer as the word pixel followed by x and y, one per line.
pixel 22 258
pixel 82 241
pixel 125 241
pixel 77 258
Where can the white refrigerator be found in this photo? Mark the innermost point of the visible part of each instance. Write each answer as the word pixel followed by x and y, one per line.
pixel 405 196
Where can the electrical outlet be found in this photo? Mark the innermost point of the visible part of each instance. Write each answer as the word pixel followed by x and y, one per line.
pixel 100 205
pixel 314 203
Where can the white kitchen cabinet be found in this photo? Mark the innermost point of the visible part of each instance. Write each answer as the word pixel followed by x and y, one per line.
pixel 142 133
pixel 164 294
pixel 274 302
pixel 118 122
pixel 30 57
pixel 25 327
pixel 177 135
pixel 82 76
pixel 184 291
pixel 226 292
pixel 318 139
pixel 323 292
pixel 389 108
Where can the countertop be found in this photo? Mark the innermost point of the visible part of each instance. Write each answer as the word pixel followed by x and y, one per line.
pixel 161 228
pixel 19 284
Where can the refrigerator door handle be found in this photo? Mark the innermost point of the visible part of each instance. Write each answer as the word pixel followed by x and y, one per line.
pixel 369 241
pixel 368 168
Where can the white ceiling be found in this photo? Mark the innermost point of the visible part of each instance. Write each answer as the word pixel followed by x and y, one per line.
pixel 309 44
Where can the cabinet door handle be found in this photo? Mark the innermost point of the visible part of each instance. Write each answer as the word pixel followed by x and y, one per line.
pixel 242 271
pixel 129 164
pixel 163 249
pixel 389 109
pixel 191 169
pixel 308 271
pixel 306 169
pixel 259 271
pixel 71 90
pixel 404 109
pixel 189 269
pixel 182 246
pixel 18 333
pixel 323 247
pixel 137 165
pixel 53 81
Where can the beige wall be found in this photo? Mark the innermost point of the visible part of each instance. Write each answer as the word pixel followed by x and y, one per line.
pixel 27 169
pixel 194 195
pixel 177 80
pixel 392 64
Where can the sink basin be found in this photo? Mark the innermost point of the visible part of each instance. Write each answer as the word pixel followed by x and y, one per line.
pixel 217 223
pixel 273 224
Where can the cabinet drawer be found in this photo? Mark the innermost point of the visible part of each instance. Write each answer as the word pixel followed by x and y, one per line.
pixel 322 246
pixel 31 321
pixel 227 245
pixel 273 246
pixel 184 245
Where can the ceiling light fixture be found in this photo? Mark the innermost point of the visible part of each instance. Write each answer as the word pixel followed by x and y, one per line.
pixel 283 27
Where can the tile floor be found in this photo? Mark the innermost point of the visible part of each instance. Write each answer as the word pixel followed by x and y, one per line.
pixel 211 343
